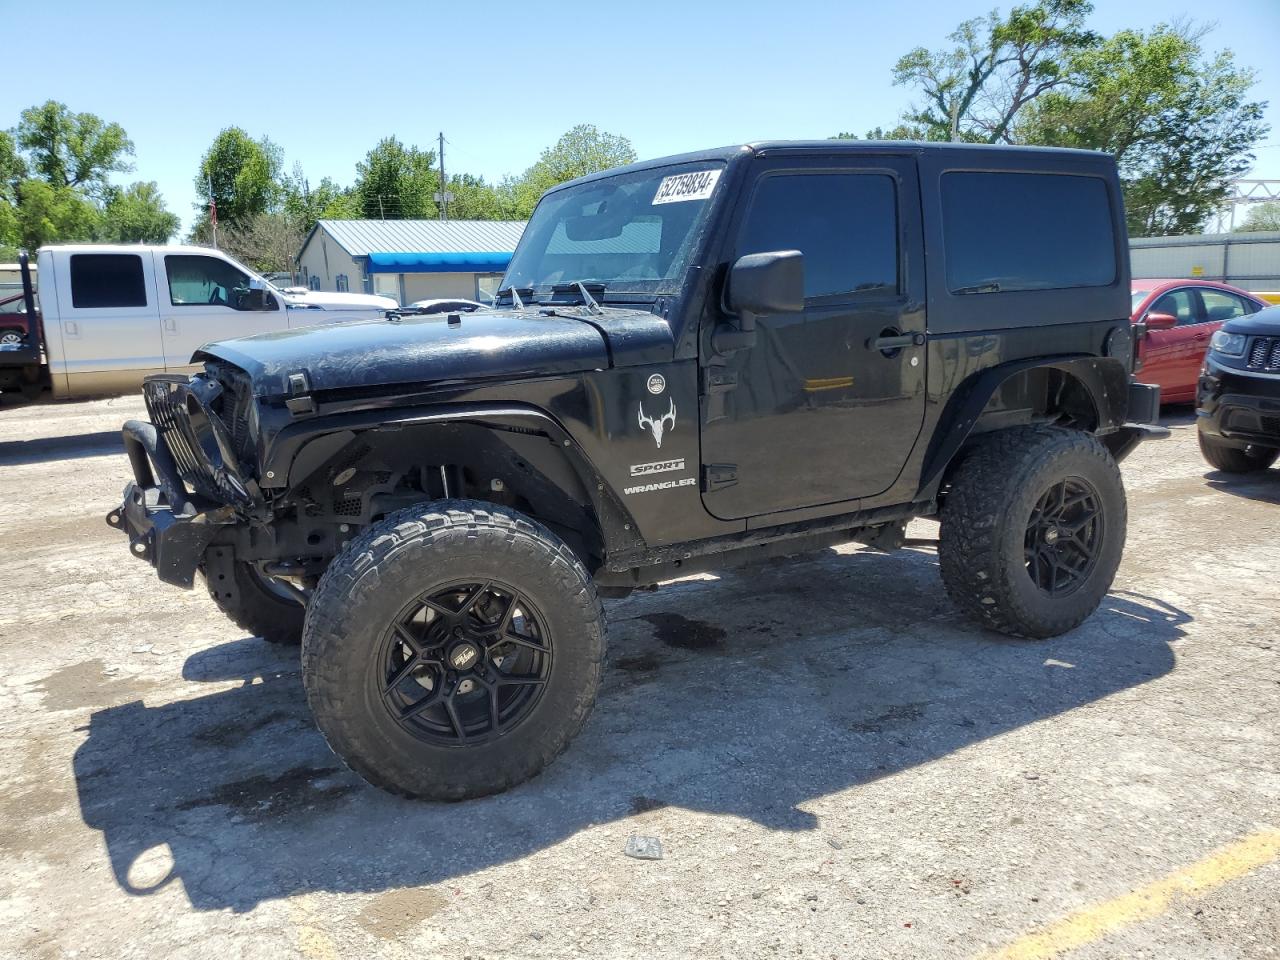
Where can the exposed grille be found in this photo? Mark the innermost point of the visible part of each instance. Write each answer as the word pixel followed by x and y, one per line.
pixel 166 397
pixel 1264 353
pixel 233 407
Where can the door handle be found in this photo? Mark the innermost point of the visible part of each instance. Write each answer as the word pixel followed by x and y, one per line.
pixel 70 328
pixel 171 324
pixel 897 342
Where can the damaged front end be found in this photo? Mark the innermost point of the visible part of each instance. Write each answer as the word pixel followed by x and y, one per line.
pixel 188 481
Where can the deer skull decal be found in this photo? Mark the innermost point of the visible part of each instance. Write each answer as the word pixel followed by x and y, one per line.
pixel 660 426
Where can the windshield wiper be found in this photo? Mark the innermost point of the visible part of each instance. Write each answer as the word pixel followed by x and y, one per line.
pixel 516 301
pixel 579 288
pixel 991 287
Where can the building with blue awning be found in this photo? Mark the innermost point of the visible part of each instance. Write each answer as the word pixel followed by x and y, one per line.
pixel 409 259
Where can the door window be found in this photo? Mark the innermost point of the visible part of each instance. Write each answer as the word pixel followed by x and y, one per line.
pixel 1180 303
pixel 196 280
pixel 846 225
pixel 107 280
pixel 1220 305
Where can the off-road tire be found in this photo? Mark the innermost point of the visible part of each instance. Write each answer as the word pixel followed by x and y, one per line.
pixel 407 556
pixel 254 607
pixel 1230 459
pixel 985 513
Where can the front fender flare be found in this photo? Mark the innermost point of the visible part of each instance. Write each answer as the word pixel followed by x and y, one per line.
pixel 289 447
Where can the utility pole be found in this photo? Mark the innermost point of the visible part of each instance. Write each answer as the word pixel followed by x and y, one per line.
pixel 443 196
pixel 213 212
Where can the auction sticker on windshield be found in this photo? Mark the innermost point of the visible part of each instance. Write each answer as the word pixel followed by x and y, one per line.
pixel 686 186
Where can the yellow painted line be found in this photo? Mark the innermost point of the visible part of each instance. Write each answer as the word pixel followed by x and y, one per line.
pixel 1095 922
pixel 830 383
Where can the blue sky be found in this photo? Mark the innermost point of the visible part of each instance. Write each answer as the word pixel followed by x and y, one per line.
pixel 325 80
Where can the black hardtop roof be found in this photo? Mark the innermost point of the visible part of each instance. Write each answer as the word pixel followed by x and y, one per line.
pixel 970 151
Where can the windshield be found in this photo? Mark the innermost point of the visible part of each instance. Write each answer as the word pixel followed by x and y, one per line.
pixel 633 232
pixel 1138 297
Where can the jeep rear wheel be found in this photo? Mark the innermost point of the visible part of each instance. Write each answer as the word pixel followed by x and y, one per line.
pixel 253 602
pixel 1232 459
pixel 453 650
pixel 1033 527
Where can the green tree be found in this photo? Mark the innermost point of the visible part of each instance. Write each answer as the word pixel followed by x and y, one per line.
pixel 475 199
pixel 13 169
pixel 305 204
pixel 1179 122
pixel 903 131
pixel 582 150
pixel 137 214
pixel 242 175
pixel 395 182
pixel 51 214
pixel 73 149
pixel 975 90
pixel 1262 216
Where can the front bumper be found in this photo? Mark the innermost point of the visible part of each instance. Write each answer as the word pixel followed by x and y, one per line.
pixel 165 525
pixel 1238 405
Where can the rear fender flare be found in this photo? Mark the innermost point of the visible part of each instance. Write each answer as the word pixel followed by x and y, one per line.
pixel 1105 381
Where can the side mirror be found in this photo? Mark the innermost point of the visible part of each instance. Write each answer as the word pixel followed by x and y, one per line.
pixel 1160 321
pixel 758 283
pixel 770 282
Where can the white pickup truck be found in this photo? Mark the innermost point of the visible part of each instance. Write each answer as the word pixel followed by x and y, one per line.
pixel 110 315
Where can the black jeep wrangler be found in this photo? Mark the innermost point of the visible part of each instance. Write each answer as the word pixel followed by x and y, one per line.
pixel 693 362
pixel 1238 394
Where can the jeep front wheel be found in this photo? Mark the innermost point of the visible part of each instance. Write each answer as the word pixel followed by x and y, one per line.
pixel 254 602
pixel 1033 527
pixel 1232 459
pixel 453 650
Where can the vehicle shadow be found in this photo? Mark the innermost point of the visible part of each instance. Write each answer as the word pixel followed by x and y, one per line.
pixel 1263 485
pixel 46 449
pixel 813 676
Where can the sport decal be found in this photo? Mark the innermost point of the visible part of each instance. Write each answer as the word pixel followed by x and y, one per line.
pixel 660 426
pixel 660 466
pixel 686 186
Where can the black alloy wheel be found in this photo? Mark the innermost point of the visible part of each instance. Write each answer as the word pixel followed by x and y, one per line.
pixel 465 664
pixel 453 650
pixel 1064 535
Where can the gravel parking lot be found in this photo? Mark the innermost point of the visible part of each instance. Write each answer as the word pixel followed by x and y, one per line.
pixel 835 762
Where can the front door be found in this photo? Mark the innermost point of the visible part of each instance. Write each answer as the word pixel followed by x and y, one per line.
pixel 820 411
pixel 205 298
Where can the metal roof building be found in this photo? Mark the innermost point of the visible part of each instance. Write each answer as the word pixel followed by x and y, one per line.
pixel 409 259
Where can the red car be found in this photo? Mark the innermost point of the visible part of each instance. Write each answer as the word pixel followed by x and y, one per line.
pixel 13 320
pixel 1181 316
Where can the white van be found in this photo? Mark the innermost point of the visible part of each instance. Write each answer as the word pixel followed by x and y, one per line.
pixel 112 314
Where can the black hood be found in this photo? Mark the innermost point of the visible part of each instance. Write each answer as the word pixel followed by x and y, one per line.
pixel 1264 323
pixel 426 349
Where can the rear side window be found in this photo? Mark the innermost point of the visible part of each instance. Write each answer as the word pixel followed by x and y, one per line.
pixel 1220 305
pixel 1026 231
pixel 845 224
pixel 107 280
